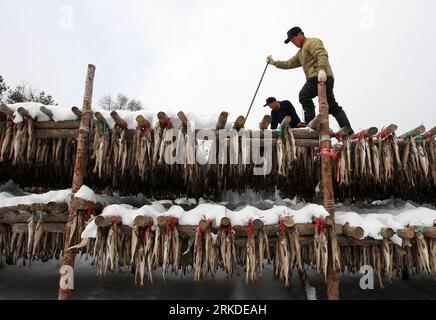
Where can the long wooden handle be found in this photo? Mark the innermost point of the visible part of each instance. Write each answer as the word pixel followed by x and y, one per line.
pixel 258 86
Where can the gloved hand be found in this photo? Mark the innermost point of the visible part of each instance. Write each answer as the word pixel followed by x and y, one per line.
pixel 322 76
pixel 270 60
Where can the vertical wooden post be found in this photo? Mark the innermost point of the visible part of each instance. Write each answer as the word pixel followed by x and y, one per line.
pixel 79 168
pixel 327 188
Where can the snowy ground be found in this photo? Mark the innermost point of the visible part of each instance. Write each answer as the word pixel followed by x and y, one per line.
pixel 41 282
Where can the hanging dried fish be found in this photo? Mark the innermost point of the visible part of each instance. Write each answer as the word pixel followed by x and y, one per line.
pixel 39 229
pixel 251 259
pixel 423 256
pixel 8 138
pixel 263 250
pixel 157 246
pixel 30 233
pixel 198 254
pixel 166 252
pixel 175 247
pixel 321 253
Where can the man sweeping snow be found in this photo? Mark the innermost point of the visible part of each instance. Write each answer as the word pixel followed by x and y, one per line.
pixel 313 57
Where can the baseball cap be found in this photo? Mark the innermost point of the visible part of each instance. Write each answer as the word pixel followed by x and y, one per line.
pixel 292 33
pixel 270 100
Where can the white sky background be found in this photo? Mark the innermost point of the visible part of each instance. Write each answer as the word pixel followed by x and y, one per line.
pixel 208 56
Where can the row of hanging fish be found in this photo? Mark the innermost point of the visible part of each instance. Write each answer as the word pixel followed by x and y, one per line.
pixel 383 167
pixel 416 257
pixel 35 243
pixel 34 160
pixel 205 252
pixel 120 161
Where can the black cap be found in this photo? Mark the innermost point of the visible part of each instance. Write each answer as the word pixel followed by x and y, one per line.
pixel 270 100
pixel 292 33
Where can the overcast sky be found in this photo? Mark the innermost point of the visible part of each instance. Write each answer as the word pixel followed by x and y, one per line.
pixel 208 56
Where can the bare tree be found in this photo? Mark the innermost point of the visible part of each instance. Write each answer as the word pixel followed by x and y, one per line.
pixel 134 105
pixel 121 103
pixel 106 102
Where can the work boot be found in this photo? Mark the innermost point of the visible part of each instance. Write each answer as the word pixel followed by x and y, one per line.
pixel 342 120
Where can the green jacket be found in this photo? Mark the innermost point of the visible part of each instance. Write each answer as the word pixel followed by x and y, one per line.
pixel 312 57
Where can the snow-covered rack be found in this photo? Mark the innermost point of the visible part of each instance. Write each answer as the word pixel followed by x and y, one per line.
pixel 46 147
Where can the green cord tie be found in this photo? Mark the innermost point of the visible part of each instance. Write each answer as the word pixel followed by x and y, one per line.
pixel 421 229
pixel 281 133
pixel 104 127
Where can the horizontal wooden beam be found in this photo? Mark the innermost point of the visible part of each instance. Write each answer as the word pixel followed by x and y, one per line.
pixel 48 125
pixel 46 227
pixel 56 133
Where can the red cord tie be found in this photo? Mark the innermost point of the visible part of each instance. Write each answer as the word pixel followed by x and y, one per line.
pixel 90 211
pixel 319 225
pixel 199 231
pixel 338 136
pixel 282 225
pixel 382 134
pixel 229 228
pixel 250 226
pixel 361 135
pixel 169 123
pixel 329 153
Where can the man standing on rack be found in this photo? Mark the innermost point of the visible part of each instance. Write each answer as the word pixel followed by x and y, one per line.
pixel 313 57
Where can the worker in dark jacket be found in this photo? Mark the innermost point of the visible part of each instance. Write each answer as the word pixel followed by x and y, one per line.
pixel 281 109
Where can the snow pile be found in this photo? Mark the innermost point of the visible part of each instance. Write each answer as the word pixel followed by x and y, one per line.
pixel 126 115
pixel 60 113
pixel 395 214
pixel 5 195
pixel 86 193
pixel 33 108
pixel 213 212
pixel 205 121
pixel 51 196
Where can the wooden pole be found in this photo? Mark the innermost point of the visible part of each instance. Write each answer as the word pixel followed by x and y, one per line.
pixel 257 89
pixel 79 168
pixel 327 188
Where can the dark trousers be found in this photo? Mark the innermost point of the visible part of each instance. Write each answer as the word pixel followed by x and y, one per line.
pixel 310 91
